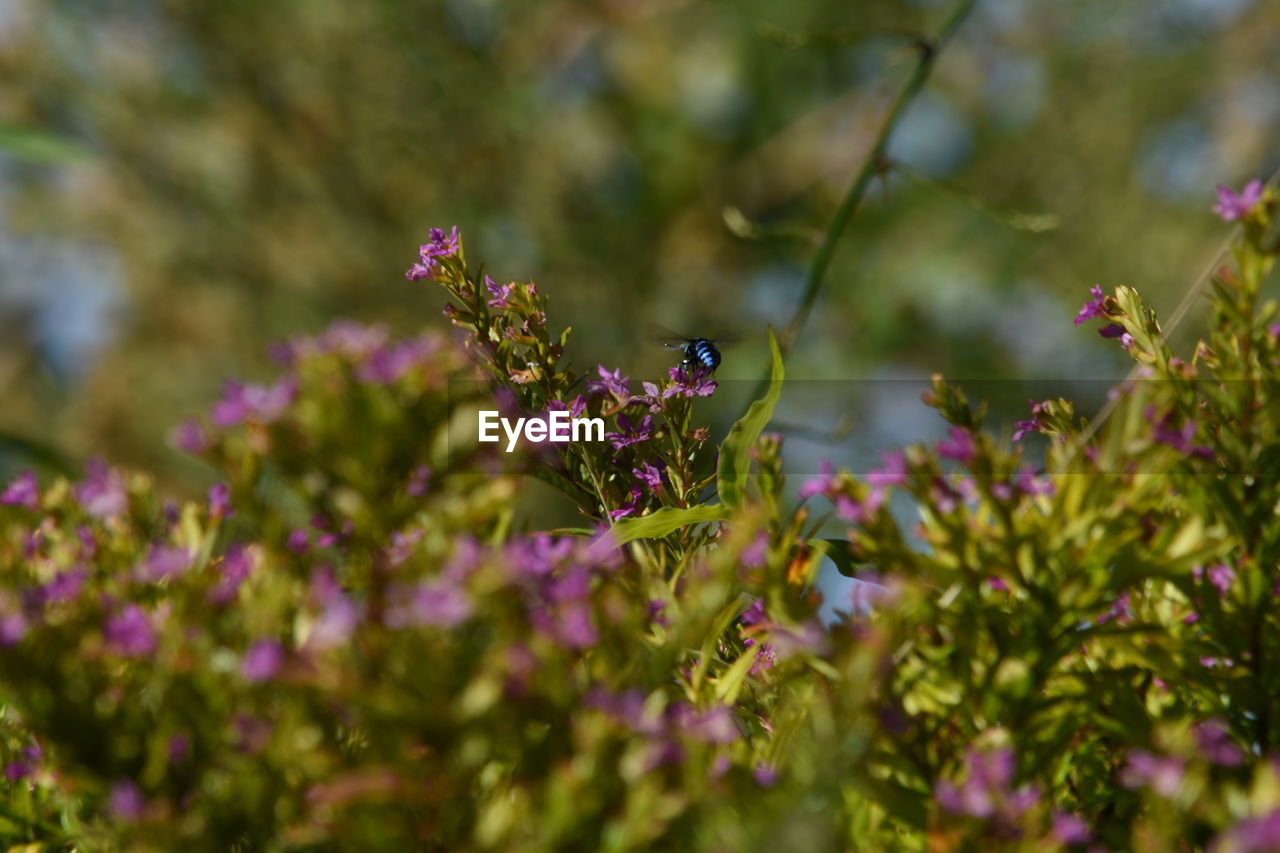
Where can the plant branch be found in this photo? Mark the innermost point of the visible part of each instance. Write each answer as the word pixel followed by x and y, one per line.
pixel 872 165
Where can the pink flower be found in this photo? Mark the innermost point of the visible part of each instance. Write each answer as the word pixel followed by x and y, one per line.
pixel 220 500
pixel 958 446
pixel 126 801
pixel 1232 206
pixel 440 603
pixel 501 293
pixel 1163 775
pixel 892 471
pixel 610 383
pixel 130 633
pixel 1092 308
pixel 1115 330
pixel 190 437
pixel 1021 428
pixel 439 245
pixel 102 492
pixel 819 484
pixel 23 491
pixel 263 661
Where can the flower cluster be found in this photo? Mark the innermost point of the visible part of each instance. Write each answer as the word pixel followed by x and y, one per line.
pixel 357 639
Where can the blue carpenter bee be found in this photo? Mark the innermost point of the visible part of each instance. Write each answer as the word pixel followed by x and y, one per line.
pixel 699 353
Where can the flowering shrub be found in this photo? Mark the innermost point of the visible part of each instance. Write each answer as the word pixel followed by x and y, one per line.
pixel 349 644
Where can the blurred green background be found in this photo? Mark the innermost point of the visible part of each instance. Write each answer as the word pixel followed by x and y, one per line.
pixel 184 182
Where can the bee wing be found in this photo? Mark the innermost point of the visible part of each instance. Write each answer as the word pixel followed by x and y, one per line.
pixel 662 335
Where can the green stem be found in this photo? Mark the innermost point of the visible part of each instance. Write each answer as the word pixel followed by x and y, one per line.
pixel 871 166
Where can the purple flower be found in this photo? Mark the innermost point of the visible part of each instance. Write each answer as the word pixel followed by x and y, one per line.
pixel 657 612
pixel 259 403
pixel 130 633
pixel 88 545
pixel 959 446
pixel 695 383
pixel 220 500
pixel 438 245
pixel 501 293
pixel 1119 611
pixel 629 433
pixel 753 556
pixel 263 661
pixel 1232 206
pixel 402 544
pixel 1220 575
pixel 190 437
pixel 538 556
pixel 163 561
pixel 860 511
pixel 1092 308
pixel 236 566
pixel 437 603
pixel 946 499
pixel 765 775
pixel 387 364
pixel 335 624
pixel 299 540
pixel 892 470
pixel 1216 745
pixel 987 793
pixel 610 383
pixel 1251 835
pixel 252 733
pixel 575 409
pixel 1029 484
pixel 629 506
pixel 179 748
pixel 65 586
pixel 24 766
pixel 1164 432
pixel 626 708
pixel 23 491
pixel 13 627
pixel 574 627
pixel 1069 829
pixel 650 475
pixel 125 801
pixel 765 658
pixel 1164 775
pixel 819 484
pixel 1021 428
pixel 1115 330
pixel 347 338
pixel 713 726
pixel 419 480
pixel 102 491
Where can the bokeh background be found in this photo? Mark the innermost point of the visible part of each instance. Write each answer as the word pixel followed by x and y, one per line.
pixel 183 182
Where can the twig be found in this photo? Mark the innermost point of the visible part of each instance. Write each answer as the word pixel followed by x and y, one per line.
pixel 872 165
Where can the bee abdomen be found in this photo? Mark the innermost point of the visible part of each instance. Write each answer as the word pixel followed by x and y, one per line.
pixel 704 353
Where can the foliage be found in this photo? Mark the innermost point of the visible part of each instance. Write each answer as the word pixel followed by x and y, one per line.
pixel 255 168
pixel 349 645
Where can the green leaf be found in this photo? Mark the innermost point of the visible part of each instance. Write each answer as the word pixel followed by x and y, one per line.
pixel 735 459
pixel 664 521
pixel 729 684
pixel 39 146
pixel 840 552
